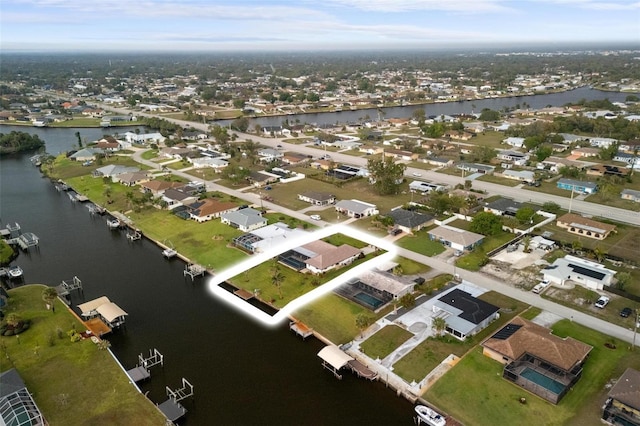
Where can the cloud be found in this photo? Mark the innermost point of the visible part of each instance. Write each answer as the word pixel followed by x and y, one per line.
pixel 596 5
pixel 460 6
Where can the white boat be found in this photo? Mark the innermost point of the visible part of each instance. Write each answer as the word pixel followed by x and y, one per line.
pixel 169 253
pixel 113 223
pixel 14 272
pixel 428 416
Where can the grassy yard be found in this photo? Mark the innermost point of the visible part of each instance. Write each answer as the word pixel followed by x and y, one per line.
pixel 428 354
pixel 72 383
pixel 499 180
pixel 410 267
pixel 474 391
pixel 421 243
pixel 65 168
pixel 488 138
pixel 385 341
pixel 474 260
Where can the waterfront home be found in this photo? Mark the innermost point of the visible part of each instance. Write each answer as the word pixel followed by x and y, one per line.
pixel 86 154
pixel 245 220
pixel 131 178
pixel 464 314
pixel 379 288
pixel 356 209
pixel 409 221
pixel 210 208
pixel 113 170
pixel 631 195
pixel 319 257
pixel 585 227
pixel 157 187
pixel 537 360
pixel 457 239
pixel 317 198
pixel 17 406
pixel 267 237
pixel 577 186
pixel 175 198
pixel 583 272
pixel 143 138
pixel 623 403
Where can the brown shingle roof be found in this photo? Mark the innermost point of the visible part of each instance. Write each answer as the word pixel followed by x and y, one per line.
pixel 211 206
pixel 570 218
pixel 328 254
pixel 538 341
pixel 627 389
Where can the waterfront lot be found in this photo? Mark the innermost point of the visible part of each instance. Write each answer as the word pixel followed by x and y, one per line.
pixel 474 391
pixel 73 383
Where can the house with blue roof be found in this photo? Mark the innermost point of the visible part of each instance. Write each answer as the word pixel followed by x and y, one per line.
pixel 578 186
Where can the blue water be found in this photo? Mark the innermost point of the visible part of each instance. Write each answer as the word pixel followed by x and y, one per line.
pixel 542 380
pixel 369 300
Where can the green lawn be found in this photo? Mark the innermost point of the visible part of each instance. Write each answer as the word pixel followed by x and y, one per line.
pixel 385 341
pixel 499 180
pixel 474 391
pixel 428 354
pixel 72 383
pixel 474 260
pixel 421 243
pixel 410 267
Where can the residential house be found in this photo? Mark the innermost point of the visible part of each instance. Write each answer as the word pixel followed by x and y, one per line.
pixel 601 142
pixel 262 178
pixel 384 287
pixel 356 209
pixel 438 161
pixel 371 149
pixel 554 164
pixel 409 221
pixel 210 208
pixel 265 238
pixel 607 170
pixel 17 406
pixel 533 355
pixel 131 178
pixel 400 154
pixel 269 154
pixel 515 157
pixel 474 127
pixel 577 186
pixel 457 239
pixel 294 158
pixel 113 170
pixel 144 138
pixel 585 152
pixel 623 403
pixel 245 220
pixel 464 314
pixel 319 257
pixel 425 187
pixel 317 198
pixel 217 164
pixel 585 227
pixel 176 198
pixel 176 152
pixel 458 135
pixel 519 175
pixel 476 168
pixel 624 157
pixel 580 271
pixel 514 142
pixel 157 187
pixel 86 154
pixel 503 207
pixel 630 194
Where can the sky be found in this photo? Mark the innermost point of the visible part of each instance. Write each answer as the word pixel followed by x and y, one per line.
pixel 303 25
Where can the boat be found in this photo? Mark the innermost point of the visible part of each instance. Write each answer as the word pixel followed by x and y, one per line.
pixel 169 253
pixel 113 223
pixel 428 416
pixel 14 272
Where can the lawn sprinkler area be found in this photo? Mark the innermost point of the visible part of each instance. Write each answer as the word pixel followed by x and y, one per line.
pixel 259 258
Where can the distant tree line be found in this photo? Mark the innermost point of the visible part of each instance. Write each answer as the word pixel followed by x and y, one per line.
pixel 18 142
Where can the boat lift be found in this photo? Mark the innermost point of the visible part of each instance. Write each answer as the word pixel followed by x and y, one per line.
pixel 171 408
pixel 141 371
pixel 194 270
pixel 67 286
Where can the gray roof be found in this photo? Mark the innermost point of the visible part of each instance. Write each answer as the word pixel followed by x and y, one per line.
pixel 505 205
pixel 318 196
pixel 354 206
pixel 244 217
pixel 409 218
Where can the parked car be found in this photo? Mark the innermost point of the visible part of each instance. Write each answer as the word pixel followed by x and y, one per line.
pixel 417 174
pixel 625 312
pixel 602 302
pixel 540 286
pixel 315 217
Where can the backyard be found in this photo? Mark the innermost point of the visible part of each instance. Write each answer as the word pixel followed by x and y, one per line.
pixel 61 374
pixel 474 391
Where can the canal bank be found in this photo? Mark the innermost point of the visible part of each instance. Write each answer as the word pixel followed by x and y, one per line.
pixel 242 372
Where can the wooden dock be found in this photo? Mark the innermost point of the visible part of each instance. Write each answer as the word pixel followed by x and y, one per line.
pixel 97 327
pixel 300 329
pixel 243 294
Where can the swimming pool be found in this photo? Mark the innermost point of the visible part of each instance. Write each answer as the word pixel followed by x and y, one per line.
pixel 542 380
pixel 369 300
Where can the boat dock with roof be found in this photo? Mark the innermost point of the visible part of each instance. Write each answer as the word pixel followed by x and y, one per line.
pixel 14 236
pixel 334 359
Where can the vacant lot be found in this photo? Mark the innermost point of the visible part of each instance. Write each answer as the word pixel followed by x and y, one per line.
pixel 385 341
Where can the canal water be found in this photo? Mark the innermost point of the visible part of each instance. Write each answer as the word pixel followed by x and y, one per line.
pixel 242 372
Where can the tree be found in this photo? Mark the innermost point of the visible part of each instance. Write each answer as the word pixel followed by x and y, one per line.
pixel 483 153
pixel 48 295
pixel 551 207
pixel 277 278
pixel 408 301
pixel 622 279
pixel 439 325
pixel 486 223
pixel 79 139
pixel 525 214
pixel 240 124
pixel 526 242
pixel 543 152
pixel 386 174
pixel 363 321
pixel 489 115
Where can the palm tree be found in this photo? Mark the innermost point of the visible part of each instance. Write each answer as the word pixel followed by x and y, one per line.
pixel 439 325
pixel 526 241
pixel 277 277
pixel 48 295
pixel 363 321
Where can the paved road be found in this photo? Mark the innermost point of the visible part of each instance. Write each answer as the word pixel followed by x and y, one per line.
pixel 528 297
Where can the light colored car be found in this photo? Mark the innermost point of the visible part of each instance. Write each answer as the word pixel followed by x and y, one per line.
pixel 417 174
pixel 602 302
pixel 315 217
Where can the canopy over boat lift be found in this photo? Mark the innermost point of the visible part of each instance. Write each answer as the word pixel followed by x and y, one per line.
pixel 334 359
